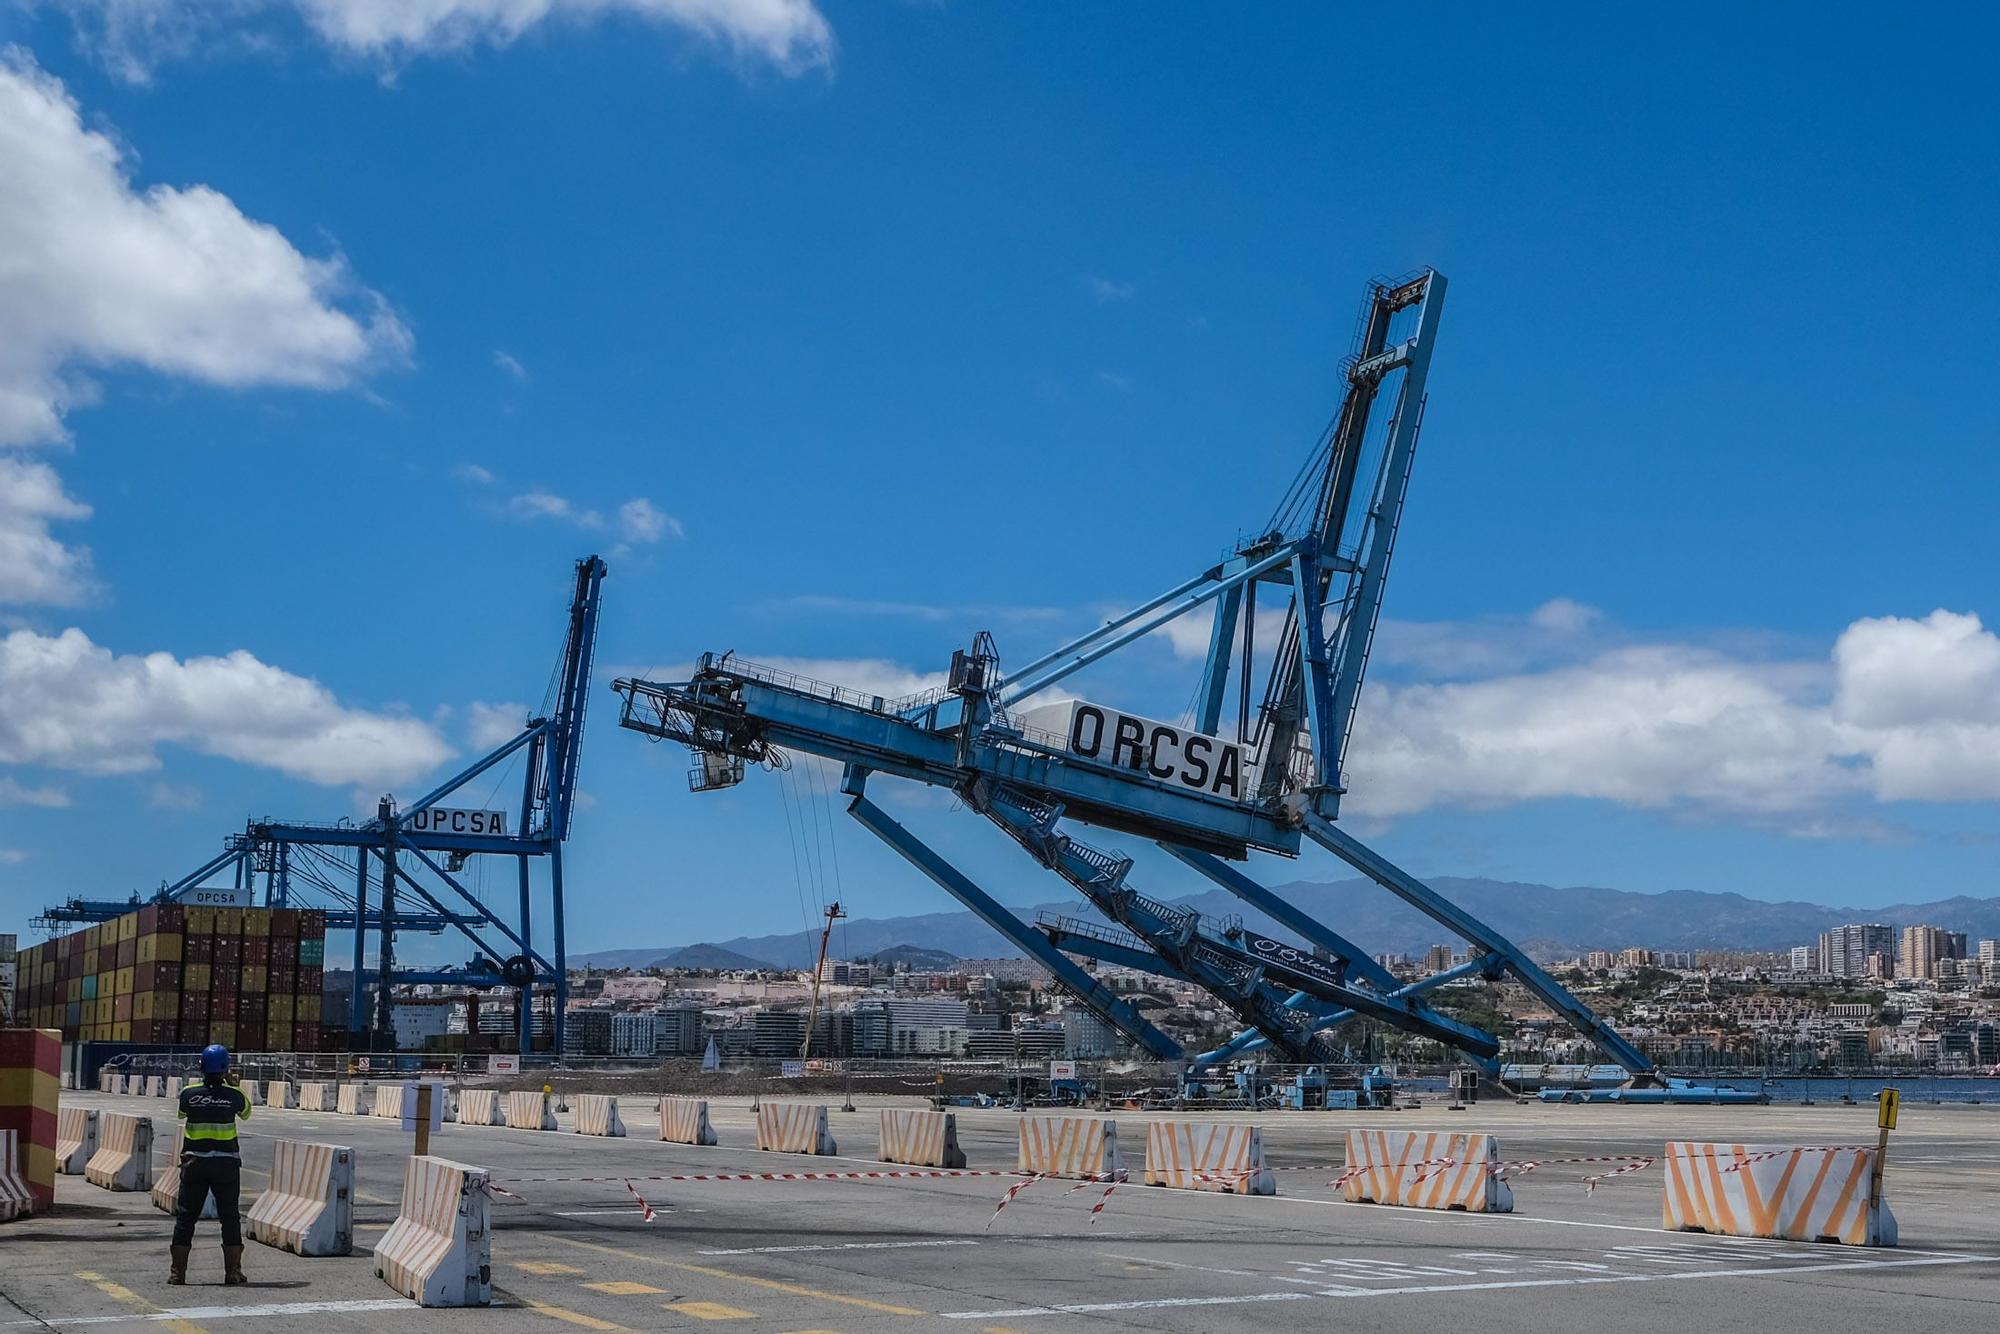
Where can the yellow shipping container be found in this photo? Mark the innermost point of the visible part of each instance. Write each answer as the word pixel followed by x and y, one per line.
pixel 73 990
pixel 89 938
pixel 256 921
pixel 121 984
pixel 90 960
pixel 278 1037
pixel 121 1032
pixel 128 926
pixel 224 1032
pixel 256 979
pixel 169 946
pixel 307 1011
pixel 200 921
pixel 282 1009
pixel 196 978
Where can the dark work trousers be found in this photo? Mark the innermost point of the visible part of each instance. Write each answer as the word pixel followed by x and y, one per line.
pixel 200 1177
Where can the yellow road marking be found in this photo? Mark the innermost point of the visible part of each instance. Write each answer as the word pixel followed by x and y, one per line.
pixel 119 1292
pixel 556 1312
pixel 711 1311
pixel 545 1267
pixel 796 1289
pixel 625 1288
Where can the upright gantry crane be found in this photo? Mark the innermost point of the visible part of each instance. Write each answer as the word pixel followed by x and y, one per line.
pixel 1209 790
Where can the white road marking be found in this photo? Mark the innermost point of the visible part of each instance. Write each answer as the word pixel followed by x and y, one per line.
pixel 1145 1304
pixel 848 1246
pixel 264 1310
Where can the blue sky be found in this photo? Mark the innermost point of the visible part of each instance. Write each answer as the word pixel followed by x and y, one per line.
pixel 846 331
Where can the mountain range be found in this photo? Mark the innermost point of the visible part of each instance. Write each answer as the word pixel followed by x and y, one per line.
pixel 1546 921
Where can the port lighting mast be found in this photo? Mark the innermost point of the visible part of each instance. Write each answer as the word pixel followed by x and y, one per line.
pixel 1260 777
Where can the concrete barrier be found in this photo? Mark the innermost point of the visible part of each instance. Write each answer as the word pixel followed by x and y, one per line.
pixel 30 1098
pixel 156 1086
pixel 480 1107
pixel 1079 1147
pixel 794 1127
pixel 388 1103
pixel 16 1199
pixel 923 1139
pixel 439 1251
pixel 1783 1191
pixel 124 1157
pixel 251 1091
pixel 107 1080
pixel 167 1187
pixel 278 1093
pixel 685 1121
pixel 597 1114
pixel 354 1100
pixel 312 1097
pixel 1425 1170
pixel 530 1110
pixel 69 1081
pixel 175 1083
pixel 1208 1156
pixel 76 1139
pixel 308 1208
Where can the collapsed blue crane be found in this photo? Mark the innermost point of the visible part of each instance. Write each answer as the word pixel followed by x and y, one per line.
pixel 419 851
pixel 1261 777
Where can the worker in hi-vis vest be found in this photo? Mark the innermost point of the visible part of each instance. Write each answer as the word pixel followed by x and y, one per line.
pixel 211 1162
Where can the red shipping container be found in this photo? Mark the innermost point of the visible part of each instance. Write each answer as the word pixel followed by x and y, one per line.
pixel 149 922
pixel 257 950
pixel 285 922
pixel 200 949
pixel 157 977
pixel 222 1009
pixel 194 1008
pixel 229 951
pixel 223 981
pixel 312 981
pixel 250 1035
pixel 121 1009
pixel 173 917
pixel 128 952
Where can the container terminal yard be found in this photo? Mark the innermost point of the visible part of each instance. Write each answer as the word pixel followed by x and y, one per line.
pixel 377 1041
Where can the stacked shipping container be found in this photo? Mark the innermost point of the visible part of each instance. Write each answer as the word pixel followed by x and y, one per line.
pixel 249 978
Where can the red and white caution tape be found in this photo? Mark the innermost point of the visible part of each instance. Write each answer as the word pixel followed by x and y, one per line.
pixel 1628 1163
pixel 772 1176
pixel 1767 1154
pixel 1008 1198
pixel 645 1209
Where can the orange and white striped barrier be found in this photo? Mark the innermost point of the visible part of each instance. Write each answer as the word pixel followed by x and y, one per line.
pixel 530 1109
pixel 1076 1147
pixel 76 1139
pixel 794 1127
pixel 924 1139
pixel 16 1199
pixel 1425 1170
pixel 685 1121
pixel 312 1097
pixel 308 1209
pixel 124 1157
pixel 439 1251
pixel 1218 1157
pixel 167 1188
pixel 480 1107
pixel 388 1103
pixel 278 1093
pixel 354 1099
pixel 597 1114
pixel 1795 1193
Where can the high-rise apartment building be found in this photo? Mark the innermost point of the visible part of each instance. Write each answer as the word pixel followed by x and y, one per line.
pixel 1920 949
pixel 1846 951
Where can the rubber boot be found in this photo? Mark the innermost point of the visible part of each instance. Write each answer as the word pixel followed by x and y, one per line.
pixel 179 1272
pixel 232 1265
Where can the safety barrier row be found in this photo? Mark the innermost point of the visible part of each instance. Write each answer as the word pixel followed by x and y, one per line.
pixel 1425 1170
pixel 76 1139
pixel 685 1121
pixel 308 1208
pixel 278 1093
pixel 530 1110
pixel 16 1199
pixel 388 1102
pixel 480 1107
pixel 312 1097
pixel 1789 1192
pixel 124 1157
pixel 1194 1156
pixel 597 1114
pixel 352 1099
pixel 167 1189
pixel 439 1251
pixel 1078 1147
pixel 794 1127
pixel 922 1139
pixel 156 1086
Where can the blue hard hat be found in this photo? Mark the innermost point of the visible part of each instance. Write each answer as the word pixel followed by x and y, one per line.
pixel 214 1059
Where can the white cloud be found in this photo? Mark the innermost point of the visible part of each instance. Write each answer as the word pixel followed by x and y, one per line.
pixel 507 362
pixel 1564 617
pixel 13 793
pixel 68 703
pixel 173 797
pixel 101 274
pixel 1106 290
pixel 133 36
pixel 1901 709
pixel 473 475
pixel 34 566
pixel 12 856
pixel 494 724
pixel 540 504
pixel 639 520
